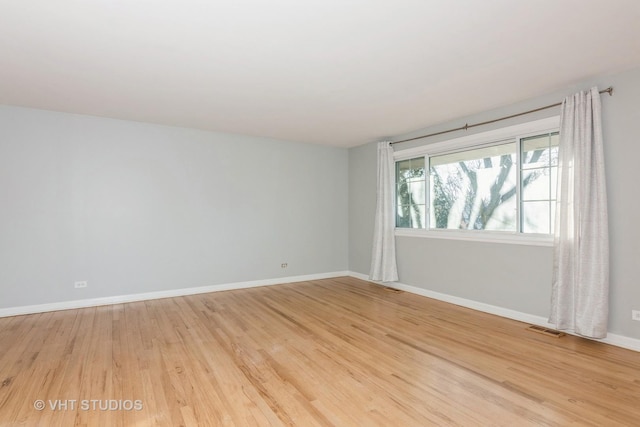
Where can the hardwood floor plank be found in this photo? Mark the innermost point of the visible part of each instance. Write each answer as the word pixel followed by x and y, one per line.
pixel 340 352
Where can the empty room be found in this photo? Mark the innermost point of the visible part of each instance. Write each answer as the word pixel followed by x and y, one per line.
pixel 320 213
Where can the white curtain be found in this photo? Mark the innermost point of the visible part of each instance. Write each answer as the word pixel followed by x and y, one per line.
pixel 383 256
pixel 580 292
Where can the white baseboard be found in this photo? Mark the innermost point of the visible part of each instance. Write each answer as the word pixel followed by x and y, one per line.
pixel 94 302
pixel 613 339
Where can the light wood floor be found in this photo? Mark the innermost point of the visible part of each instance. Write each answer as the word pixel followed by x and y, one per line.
pixel 329 352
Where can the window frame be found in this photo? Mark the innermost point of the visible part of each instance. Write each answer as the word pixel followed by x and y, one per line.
pixel 492 137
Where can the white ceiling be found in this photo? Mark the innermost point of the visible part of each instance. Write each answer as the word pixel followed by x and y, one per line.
pixel 337 72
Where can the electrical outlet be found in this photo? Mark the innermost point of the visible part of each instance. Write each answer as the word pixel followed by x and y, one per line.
pixel 82 284
pixel 635 315
pixel 284 265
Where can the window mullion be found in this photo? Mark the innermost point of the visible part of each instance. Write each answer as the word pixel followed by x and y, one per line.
pixel 427 195
pixel 519 185
pixel 550 183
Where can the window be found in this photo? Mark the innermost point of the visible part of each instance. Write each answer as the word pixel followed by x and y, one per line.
pixel 501 182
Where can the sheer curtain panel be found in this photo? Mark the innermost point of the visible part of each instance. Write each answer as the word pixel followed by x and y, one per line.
pixel 580 290
pixel 383 255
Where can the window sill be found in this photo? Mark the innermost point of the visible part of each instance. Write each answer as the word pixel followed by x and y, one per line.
pixel 479 236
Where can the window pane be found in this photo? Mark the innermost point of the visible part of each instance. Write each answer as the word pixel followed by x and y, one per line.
pixel 417 216
pixel 474 189
pixel 536 184
pixel 402 170
pixel 410 170
pixel 417 192
pixel 410 193
pixel 403 216
pixel 536 217
pixel 540 151
pixel 410 216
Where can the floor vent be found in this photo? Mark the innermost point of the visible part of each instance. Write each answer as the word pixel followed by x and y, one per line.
pixel 393 290
pixel 546 331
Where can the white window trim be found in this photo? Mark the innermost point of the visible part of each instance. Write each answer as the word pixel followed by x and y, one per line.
pixel 528 239
pixel 550 124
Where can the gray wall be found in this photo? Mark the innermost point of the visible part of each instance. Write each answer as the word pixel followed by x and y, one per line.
pixel 513 276
pixel 134 207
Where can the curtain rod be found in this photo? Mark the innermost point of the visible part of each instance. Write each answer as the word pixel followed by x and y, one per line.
pixel 608 90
